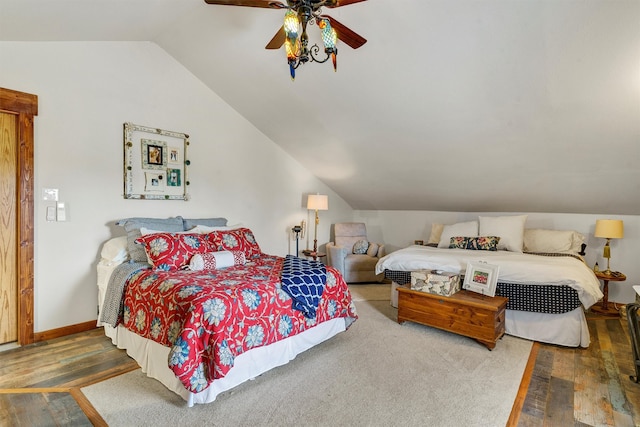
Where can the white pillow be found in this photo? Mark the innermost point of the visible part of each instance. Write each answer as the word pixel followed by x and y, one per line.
pixel 461 229
pixel 216 260
pixel 578 240
pixel 146 231
pixel 510 229
pixel 543 240
pixel 373 249
pixel 205 229
pixel 115 250
pixel 436 232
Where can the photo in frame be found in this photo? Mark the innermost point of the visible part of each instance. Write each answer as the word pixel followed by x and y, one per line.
pixel 154 154
pixel 155 163
pixel 173 177
pixel 174 155
pixel 481 277
pixel 154 181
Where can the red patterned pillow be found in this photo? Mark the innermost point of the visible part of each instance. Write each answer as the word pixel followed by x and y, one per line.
pixel 172 251
pixel 240 239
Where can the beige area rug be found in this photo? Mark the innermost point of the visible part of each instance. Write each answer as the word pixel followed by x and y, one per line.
pixel 370 292
pixel 377 373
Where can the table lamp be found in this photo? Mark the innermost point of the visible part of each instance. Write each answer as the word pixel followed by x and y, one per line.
pixel 317 202
pixel 609 229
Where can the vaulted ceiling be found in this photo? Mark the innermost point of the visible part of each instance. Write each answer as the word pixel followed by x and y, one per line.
pixel 465 105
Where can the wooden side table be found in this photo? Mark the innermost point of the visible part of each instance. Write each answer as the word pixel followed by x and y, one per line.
pixel 603 307
pixel 314 255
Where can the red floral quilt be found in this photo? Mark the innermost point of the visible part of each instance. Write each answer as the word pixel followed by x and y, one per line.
pixel 210 317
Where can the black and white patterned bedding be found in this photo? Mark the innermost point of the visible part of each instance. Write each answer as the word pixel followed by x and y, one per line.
pixel 535 298
pixel 553 283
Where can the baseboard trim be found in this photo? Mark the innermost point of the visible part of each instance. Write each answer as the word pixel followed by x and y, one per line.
pixel 64 331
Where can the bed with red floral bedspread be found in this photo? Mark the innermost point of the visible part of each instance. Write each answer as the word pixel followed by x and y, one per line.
pixel 206 321
pixel 210 317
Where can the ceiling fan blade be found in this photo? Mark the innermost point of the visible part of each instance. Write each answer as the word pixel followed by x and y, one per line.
pixel 347 35
pixel 278 40
pixel 338 3
pixel 271 4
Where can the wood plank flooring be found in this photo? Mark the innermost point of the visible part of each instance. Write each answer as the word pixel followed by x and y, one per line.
pixel 40 383
pixel 582 387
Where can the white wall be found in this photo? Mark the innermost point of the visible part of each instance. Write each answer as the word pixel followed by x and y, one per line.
pixel 400 228
pixel 86 91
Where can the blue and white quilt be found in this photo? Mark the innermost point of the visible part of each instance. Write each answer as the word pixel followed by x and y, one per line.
pixel 303 280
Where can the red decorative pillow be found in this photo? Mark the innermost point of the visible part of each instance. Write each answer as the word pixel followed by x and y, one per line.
pixel 172 251
pixel 240 239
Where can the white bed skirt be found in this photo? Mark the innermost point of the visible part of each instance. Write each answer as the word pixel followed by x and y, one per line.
pixel 568 329
pixel 152 358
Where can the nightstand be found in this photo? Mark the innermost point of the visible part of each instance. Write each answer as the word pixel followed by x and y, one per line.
pixel 603 307
pixel 314 255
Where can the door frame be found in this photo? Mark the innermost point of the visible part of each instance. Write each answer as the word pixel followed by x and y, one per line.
pixel 25 106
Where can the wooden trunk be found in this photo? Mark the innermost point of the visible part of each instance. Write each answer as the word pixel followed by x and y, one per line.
pixel 464 313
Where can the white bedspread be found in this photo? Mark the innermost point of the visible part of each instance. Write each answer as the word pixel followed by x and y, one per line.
pixel 514 267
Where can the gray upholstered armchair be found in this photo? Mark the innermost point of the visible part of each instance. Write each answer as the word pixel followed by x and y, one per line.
pixel 354 267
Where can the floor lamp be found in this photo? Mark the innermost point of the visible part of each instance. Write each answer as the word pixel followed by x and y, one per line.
pixel 317 202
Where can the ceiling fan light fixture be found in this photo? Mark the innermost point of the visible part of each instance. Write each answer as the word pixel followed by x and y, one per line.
pixel 329 39
pixel 292 42
pixel 307 15
pixel 291 22
pixel 293 33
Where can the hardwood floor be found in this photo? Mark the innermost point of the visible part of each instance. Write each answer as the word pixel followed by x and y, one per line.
pixel 582 387
pixel 40 383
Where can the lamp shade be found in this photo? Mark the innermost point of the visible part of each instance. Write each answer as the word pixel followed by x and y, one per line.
pixel 609 228
pixel 318 202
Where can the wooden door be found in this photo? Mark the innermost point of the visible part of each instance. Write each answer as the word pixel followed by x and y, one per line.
pixel 8 228
pixel 17 111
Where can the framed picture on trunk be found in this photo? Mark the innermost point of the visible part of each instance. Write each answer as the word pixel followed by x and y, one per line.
pixel 481 277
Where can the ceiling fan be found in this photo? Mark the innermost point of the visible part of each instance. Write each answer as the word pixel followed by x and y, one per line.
pixel 293 34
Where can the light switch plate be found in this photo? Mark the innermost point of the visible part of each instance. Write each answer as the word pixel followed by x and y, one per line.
pixel 61 212
pixel 50 194
pixel 51 213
